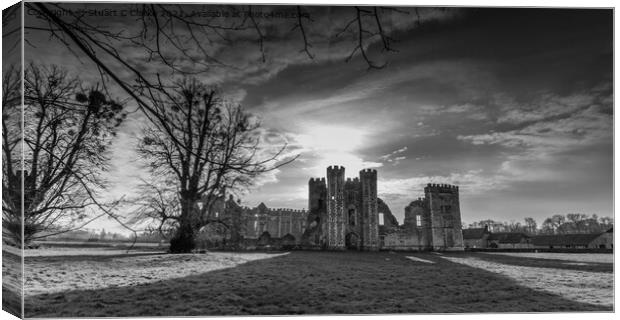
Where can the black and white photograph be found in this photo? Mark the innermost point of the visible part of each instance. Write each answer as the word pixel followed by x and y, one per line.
pixel 210 160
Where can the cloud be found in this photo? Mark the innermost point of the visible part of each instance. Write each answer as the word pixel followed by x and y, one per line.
pixel 379 94
pixel 472 181
pixel 474 112
pixel 556 129
pixel 394 157
pixel 561 125
pixel 547 106
pixel 491 120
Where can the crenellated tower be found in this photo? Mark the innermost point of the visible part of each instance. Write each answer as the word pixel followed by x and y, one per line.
pixel 445 216
pixel 317 212
pixel 352 205
pixel 369 214
pixel 334 225
pixel 343 213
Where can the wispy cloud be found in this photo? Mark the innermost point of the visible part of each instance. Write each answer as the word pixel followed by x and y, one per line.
pixel 536 150
pixel 395 156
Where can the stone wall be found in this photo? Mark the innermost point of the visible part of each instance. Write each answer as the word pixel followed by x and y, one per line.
pixel 445 215
pixel 406 240
pixel 276 222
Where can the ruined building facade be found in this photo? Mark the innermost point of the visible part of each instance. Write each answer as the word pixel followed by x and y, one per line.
pixel 432 222
pixel 343 214
pixel 251 228
pixel 276 222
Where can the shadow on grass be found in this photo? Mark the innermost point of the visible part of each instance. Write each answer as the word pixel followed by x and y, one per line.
pixel 546 263
pixel 11 281
pixel 313 283
pixel 11 302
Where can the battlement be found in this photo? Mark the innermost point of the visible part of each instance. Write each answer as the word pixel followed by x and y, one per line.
pixel 316 180
pixel 335 168
pixel 281 211
pixel 368 171
pixel 353 180
pixel 286 210
pixel 441 188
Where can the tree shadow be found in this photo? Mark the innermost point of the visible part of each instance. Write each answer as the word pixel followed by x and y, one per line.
pixel 11 282
pixel 313 283
pixel 11 302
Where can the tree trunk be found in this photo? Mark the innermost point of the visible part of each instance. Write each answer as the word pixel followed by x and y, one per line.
pixel 183 241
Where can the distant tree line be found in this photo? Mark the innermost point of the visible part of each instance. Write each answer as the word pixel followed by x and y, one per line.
pixel 94 235
pixel 154 236
pixel 556 224
pixel 90 235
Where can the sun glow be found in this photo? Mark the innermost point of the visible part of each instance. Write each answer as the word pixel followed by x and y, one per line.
pixel 332 138
pixel 326 145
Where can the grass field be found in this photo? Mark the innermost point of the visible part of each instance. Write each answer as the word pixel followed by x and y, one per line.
pixel 61 283
pixel 11 282
pixel 584 278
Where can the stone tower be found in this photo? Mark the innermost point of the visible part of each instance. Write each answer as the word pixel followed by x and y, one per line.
pixel 343 214
pixel 317 213
pixel 334 226
pixel 369 214
pixel 352 203
pixel 445 216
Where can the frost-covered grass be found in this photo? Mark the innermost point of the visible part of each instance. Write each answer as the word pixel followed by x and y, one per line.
pixel 564 280
pixel 265 283
pixel 419 259
pixel 578 257
pixel 62 270
pixel 11 281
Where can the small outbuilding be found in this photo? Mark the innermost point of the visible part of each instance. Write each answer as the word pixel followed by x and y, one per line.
pixel 476 237
pixel 603 240
pixel 509 240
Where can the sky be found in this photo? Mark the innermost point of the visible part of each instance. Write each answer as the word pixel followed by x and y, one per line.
pixel 515 106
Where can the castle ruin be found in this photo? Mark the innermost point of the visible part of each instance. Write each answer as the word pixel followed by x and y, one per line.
pixel 343 213
pixel 432 222
pixel 347 214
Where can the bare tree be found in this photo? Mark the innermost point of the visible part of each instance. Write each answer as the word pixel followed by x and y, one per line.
pixel 178 37
pixel 66 133
pixel 208 147
pixel 178 42
pixel 11 155
pixel 530 225
pixel 576 223
pixel 156 207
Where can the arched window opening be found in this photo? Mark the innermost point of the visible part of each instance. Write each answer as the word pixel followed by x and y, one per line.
pixel 351 217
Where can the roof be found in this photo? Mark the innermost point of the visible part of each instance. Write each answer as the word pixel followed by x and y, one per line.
pixel 508 237
pixel 474 233
pixel 580 239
